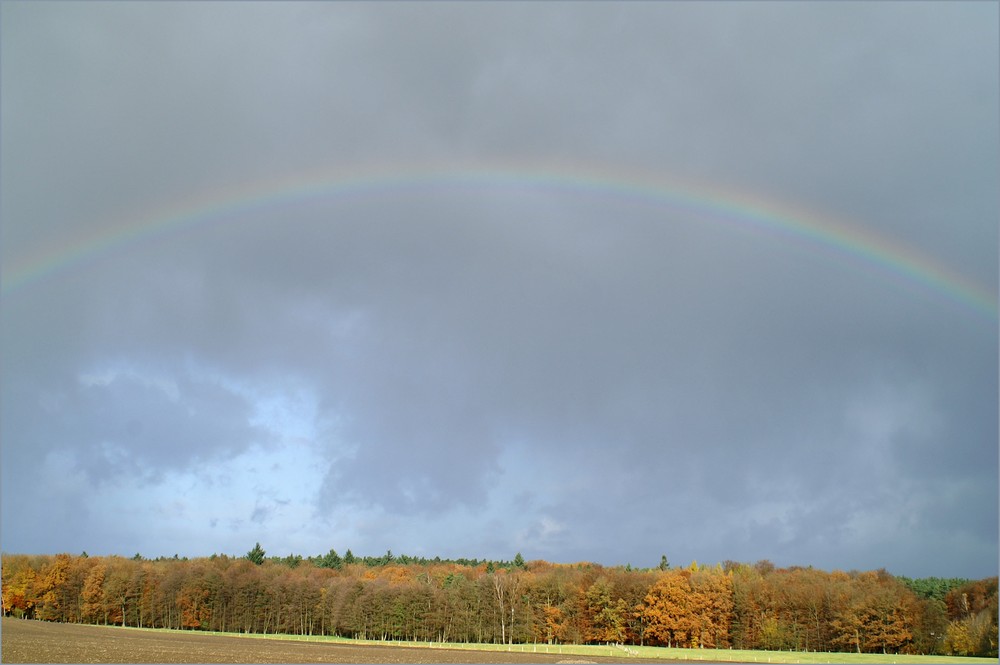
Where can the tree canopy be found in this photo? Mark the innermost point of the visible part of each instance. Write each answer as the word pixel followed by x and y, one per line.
pixel 744 606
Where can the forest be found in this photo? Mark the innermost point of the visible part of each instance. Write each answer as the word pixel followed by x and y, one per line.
pixel 738 605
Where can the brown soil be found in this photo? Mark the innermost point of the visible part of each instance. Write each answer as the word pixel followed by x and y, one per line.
pixel 24 641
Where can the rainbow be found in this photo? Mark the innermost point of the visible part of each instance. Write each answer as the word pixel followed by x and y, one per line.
pixel 670 193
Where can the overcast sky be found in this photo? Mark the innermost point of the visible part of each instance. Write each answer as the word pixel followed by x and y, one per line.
pixel 509 362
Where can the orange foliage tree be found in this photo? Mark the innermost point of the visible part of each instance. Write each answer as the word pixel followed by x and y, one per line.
pixel 667 610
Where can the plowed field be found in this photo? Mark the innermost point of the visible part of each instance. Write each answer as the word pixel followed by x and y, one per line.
pixel 43 642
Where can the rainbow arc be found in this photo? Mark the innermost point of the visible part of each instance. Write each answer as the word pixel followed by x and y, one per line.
pixel 707 203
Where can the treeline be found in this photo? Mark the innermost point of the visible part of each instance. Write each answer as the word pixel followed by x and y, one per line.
pixel 333 560
pixel 734 605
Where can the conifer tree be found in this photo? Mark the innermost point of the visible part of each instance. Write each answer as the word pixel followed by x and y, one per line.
pixel 256 554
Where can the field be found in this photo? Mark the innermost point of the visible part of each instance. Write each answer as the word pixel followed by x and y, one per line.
pixel 42 642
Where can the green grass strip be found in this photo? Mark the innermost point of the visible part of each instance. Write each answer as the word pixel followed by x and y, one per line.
pixel 625 651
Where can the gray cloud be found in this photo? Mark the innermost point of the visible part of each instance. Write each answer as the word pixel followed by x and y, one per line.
pixel 471 368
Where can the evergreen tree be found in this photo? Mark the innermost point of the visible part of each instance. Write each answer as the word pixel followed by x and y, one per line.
pixel 331 560
pixel 256 554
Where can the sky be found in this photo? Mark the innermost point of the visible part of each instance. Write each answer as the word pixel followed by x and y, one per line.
pixel 585 281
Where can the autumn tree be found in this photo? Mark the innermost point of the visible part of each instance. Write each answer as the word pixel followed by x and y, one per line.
pixel 193 605
pixel 19 586
pixel 667 611
pixel 94 609
pixel 876 616
pixel 608 615
pixel 711 607
pixel 972 610
pixel 50 582
pixel 930 626
pixel 119 589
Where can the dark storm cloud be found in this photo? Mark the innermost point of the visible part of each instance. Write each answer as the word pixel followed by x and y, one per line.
pixel 574 375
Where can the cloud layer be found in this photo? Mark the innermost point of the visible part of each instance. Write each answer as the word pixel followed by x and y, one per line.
pixel 463 369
